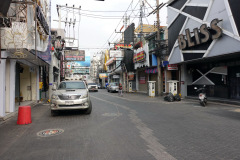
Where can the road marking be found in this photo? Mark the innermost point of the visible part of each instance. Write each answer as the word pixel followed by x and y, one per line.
pixel 148 101
pixel 112 114
pixel 154 147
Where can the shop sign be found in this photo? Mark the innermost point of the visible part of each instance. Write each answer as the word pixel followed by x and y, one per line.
pixel 71 55
pixel 68 66
pixel 126 46
pixel 116 53
pixel 200 37
pixel 131 76
pixel 103 75
pixel 42 20
pixel 139 57
pixel 172 67
pixel 116 76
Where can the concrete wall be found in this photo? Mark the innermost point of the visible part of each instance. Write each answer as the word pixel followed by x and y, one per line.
pixel 2 87
pixel 186 79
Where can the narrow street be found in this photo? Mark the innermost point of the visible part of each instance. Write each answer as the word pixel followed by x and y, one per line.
pixel 132 127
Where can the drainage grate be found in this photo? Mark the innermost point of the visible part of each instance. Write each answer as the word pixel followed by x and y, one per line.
pixel 50 132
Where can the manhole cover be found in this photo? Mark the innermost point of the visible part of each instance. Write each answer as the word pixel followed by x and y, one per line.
pixel 50 132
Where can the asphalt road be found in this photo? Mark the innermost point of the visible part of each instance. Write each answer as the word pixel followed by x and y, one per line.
pixel 132 127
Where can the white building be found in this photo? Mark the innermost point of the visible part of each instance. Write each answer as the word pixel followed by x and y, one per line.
pixel 25 54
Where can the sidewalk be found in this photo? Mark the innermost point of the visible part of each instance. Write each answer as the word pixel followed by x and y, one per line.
pixel 135 96
pixel 17 105
pixel 144 96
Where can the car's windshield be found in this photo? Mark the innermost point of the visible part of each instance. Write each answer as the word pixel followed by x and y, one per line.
pixel 71 85
pixel 113 84
pixel 92 84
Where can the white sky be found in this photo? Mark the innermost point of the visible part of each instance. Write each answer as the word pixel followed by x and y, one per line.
pixel 95 33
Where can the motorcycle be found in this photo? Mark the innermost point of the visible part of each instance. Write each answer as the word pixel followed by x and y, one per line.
pixel 202 95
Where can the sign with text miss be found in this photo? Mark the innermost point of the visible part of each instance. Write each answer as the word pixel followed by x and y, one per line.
pixel 202 35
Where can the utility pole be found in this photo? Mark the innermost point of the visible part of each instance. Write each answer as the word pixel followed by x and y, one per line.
pixel 141 22
pixel 159 79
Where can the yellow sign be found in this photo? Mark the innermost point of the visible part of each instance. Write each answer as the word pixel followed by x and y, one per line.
pixel 40 85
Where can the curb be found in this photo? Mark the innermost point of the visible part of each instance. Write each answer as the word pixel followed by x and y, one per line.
pixel 10 115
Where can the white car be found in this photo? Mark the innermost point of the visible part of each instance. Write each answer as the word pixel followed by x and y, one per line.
pixel 71 95
pixel 93 87
pixel 113 87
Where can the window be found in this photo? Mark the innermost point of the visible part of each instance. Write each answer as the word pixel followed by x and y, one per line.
pixel 72 85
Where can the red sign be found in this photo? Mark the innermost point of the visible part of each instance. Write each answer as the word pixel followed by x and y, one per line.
pixel 118 46
pixel 172 67
pixel 131 77
pixel 139 57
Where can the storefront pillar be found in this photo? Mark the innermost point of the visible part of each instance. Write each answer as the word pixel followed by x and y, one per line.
pixel 2 88
pixel 12 85
pixel 185 80
pixel 37 83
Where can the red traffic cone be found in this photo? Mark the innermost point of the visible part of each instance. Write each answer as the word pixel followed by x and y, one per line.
pixel 24 115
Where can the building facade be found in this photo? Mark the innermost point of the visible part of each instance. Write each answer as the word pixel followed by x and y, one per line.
pixel 204 40
pixel 25 53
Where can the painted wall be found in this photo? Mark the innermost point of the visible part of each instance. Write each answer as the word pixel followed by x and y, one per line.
pixel 28 81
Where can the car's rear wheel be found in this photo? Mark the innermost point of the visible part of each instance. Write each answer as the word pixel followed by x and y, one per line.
pixel 89 110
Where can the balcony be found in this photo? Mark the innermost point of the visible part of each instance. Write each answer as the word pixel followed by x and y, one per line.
pixel 18 28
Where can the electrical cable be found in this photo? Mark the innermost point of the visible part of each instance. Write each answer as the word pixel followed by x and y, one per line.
pixel 123 17
pixel 110 11
pixel 118 24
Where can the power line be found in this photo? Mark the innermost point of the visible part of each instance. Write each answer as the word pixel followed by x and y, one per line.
pixel 123 16
pixel 111 11
pixel 118 23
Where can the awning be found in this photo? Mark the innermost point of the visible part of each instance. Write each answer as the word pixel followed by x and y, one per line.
pixel 152 70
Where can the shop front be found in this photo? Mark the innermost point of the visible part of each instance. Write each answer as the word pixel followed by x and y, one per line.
pixel 206 46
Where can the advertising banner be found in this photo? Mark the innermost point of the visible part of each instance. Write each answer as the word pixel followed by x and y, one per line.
pixel 116 53
pixel 103 75
pixel 74 55
pixel 79 64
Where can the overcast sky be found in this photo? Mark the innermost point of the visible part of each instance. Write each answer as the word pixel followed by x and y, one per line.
pixel 100 19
